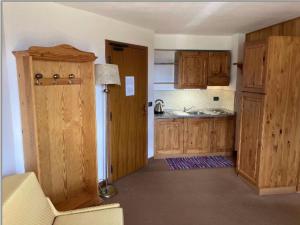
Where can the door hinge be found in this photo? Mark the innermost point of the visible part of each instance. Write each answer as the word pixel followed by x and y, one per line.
pixel 110 116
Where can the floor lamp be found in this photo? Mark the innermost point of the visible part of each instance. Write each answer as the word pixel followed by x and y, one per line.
pixel 107 74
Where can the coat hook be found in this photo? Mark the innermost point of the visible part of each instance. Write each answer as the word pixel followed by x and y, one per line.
pixel 71 76
pixel 55 77
pixel 38 76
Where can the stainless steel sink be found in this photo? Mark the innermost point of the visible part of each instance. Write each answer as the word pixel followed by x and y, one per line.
pixel 217 111
pixel 196 113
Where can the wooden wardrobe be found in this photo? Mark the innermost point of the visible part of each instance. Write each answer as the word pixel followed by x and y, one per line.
pixel 269 135
pixel 57 96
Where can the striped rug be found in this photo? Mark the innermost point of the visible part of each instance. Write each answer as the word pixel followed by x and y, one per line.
pixel 199 162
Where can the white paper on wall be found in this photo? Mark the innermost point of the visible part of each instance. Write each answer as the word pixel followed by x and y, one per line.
pixel 129 86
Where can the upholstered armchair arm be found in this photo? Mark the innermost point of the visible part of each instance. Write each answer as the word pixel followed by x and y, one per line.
pixel 75 211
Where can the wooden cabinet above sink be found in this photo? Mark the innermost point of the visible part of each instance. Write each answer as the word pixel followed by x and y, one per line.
pixel 199 69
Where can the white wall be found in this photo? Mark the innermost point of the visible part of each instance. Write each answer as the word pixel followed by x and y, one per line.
pixel 177 99
pixel 48 24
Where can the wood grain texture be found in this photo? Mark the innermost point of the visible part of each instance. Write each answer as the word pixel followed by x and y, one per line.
pixel 200 137
pixel 197 132
pixel 223 134
pixel 61 124
pixel 27 103
pixel 254 72
pixel 218 68
pixel 281 148
pixel 191 69
pixel 169 136
pixel 64 53
pixel 287 28
pixel 127 115
pixel 252 106
pixel 275 160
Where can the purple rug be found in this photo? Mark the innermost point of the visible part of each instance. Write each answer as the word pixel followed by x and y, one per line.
pixel 199 162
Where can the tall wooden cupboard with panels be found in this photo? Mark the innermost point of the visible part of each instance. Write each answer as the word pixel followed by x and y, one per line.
pixel 269 135
pixel 57 96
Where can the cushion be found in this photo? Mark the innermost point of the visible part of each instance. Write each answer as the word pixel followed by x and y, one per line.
pixel 24 202
pixel 112 216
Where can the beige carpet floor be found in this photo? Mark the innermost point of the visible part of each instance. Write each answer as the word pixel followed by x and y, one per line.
pixel 157 196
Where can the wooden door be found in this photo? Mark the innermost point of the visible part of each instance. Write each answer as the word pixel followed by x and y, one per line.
pixel 197 135
pixel 168 136
pixel 65 116
pixel 254 74
pixel 252 106
pixel 191 69
pixel 127 115
pixel 223 134
pixel 218 68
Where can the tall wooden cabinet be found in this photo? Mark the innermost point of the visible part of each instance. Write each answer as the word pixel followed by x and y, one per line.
pixel 57 96
pixel 269 135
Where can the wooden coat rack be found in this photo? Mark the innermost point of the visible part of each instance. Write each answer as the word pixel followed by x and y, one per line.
pixel 57 95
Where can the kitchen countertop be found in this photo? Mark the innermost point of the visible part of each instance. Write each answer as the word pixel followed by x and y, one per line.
pixel 177 114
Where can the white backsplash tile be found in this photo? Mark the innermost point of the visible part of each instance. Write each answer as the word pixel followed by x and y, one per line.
pixel 177 99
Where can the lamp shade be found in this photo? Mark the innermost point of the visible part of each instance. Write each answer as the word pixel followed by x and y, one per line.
pixel 107 74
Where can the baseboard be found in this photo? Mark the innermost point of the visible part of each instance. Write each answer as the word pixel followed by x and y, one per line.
pixel 164 156
pixel 277 190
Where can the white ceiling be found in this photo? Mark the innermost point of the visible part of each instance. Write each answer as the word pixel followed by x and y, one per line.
pixel 205 18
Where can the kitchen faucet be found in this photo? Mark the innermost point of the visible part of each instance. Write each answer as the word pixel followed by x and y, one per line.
pixel 185 109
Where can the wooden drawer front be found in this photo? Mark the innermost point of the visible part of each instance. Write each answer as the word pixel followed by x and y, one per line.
pixel 250 134
pixel 223 138
pixel 218 69
pixel 254 73
pixel 169 136
pixel 197 135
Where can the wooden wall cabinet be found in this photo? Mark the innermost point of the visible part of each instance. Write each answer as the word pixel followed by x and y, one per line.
pixel 254 74
pixel 194 136
pixel 199 69
pixel 169 136
pixel 191 69
pixel 58 122
pixel 218 68
pixel 269 135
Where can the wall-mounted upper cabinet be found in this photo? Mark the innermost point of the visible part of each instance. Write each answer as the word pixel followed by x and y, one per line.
pixel 218 68
pixel 199 69
pixel 191 69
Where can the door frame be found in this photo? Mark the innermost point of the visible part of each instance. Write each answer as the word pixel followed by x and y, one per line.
pixel 107 121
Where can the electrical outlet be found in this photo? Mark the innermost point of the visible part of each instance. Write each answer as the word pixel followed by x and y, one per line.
pixel 216 98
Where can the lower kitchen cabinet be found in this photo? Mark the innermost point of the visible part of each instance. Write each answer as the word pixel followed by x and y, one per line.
pixel 197 135
pixel 194 136
pixel 223 134
pixel 168 136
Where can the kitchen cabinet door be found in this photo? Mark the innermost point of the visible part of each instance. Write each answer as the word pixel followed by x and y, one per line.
pixel 191 69
pixel 252 106
pixel 218 68
pixel 168 136
pixel 223 134
pixel 254 74
pixel 197 135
